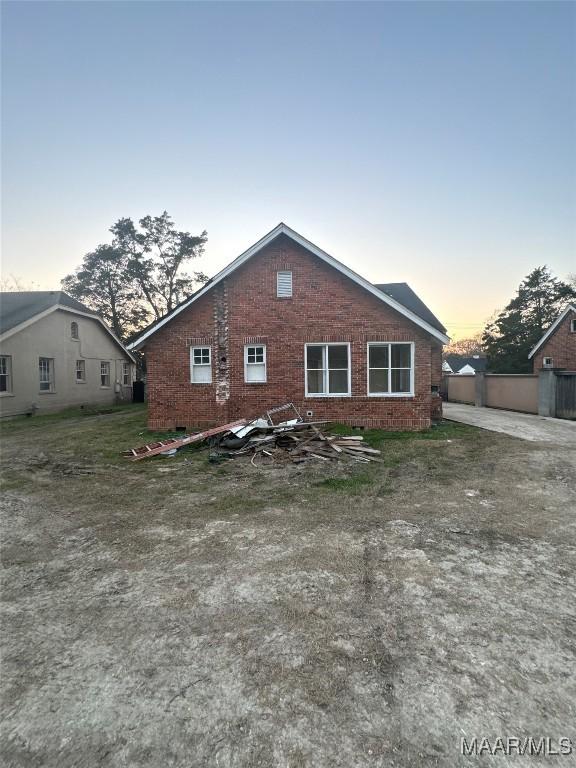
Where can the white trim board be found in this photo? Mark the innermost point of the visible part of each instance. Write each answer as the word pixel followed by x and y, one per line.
pixel 550 331
pixel 284 229
pixel 53 308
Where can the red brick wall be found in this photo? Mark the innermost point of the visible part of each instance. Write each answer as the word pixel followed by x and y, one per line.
pixel 561 347
pixel 325 307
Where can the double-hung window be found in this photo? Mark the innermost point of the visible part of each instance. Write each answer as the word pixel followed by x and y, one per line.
pixel 391 369
pixel 104 373
pixel 200 365
pixel 327 370
pixel 126 377
pixel 254 363
pixel 80 371
pixel 5 373
pixel 46 372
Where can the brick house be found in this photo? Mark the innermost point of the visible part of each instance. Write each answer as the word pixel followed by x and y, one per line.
pixel 286 322
pixel 557 347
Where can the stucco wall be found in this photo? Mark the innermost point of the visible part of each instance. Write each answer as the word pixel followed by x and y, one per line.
pixel 512 392
pixel 51 337
pixel 460 389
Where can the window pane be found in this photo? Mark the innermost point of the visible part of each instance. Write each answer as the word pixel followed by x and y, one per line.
pixel 314 356
pixel 338 382
pixel 256 372
pixel 255 354
pixel 201 374
pixel 3 366
pixel 400 381
pixel 338 357
pixel 401 356
pixel 378 356
pixel 378 381
pixel 3 382
pixel 315 381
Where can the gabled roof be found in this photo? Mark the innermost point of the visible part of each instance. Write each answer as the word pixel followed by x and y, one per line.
pixel 550 331
pixel 457 362
pixel 284 229
pixel 405 295
pixel 18 306
pixel 19 309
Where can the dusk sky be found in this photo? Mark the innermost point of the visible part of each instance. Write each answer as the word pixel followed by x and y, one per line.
pixel 432 143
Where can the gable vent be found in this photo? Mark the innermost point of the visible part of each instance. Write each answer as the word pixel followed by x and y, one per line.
pixel 284 284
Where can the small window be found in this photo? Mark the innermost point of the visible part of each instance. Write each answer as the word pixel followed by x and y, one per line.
pixel 104 374
pixel 80 371
pixel 327 370
pixel 46 370
pixel 573 325
pixel 255 364
pixel 5 373
pixel 284 284
pixel 390 369
pixel 74 330
pixel 200 365
pixel 126 374
pixel 548 362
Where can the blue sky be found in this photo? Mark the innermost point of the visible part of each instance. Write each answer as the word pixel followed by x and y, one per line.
pixel 426 142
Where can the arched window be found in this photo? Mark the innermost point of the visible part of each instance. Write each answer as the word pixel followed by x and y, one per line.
pixel 74 330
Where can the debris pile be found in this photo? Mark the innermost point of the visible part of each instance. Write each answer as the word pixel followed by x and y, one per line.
pixel 266 442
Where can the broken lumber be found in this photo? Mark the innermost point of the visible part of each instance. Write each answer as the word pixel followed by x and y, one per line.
pixel 153 449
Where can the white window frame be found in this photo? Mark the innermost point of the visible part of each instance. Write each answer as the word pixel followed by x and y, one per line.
pixel 247 364
pixel 126 374
pixel 325 369
pixel 83 369
pixel 194 365
pixel 102 374
pixel 550 364
pixel 8 374
pixel 74 327
pixel 390 344
pixel 50 381
pixel 283 295
pixel 573 325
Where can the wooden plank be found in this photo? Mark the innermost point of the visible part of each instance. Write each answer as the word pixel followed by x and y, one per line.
pixel 188 439
pixel 362 449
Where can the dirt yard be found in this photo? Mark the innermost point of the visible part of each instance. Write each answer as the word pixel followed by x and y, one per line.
pixel 178 613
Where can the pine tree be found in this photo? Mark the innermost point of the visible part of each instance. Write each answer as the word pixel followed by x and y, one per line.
pixel 509 338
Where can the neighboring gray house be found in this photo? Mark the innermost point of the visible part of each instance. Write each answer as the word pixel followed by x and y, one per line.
pixel 56 353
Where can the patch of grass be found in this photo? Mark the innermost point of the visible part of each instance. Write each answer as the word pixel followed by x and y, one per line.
pixel 446 430
pixel 353 484
pixel 44 420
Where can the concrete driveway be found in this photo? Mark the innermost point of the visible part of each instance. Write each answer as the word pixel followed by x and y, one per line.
pixel 526 426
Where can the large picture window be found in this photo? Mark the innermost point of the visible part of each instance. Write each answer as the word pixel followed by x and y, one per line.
pixel 327 370
pixel 254 363
pixel 391 369
pixel 200 365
